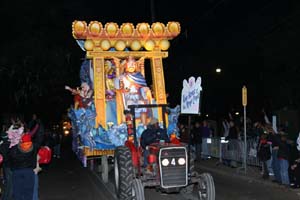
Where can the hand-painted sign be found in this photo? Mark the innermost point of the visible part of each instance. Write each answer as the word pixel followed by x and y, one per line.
pixel 190 96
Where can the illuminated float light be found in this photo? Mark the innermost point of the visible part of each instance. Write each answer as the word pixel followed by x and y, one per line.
pixel 120 45
pixel 127 29
pixel 165 162
pixel 158 28
pixel 105 45
pixel 88 45
pixel 66 132
pixel 135 45
pixel 237 113
pixel 95 27
pixel 164 45
pixel 111 28
pixel 181 161
pixel 143 28
pixel 149 45
pixel 173 28
pixel 79 27
pixel 218 70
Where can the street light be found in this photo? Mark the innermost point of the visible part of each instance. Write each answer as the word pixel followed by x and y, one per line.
pixel 218 70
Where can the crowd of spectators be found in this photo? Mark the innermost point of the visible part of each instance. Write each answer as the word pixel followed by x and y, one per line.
pixel 277 153
pixel 20 145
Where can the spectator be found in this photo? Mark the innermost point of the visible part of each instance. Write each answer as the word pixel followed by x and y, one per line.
pixel 295 174
pixel 197 139
pixel 275 140
pixel 283 156
pixel 264 153
pixel 182 131
pixel 226 127
pixel 57 144
pixel 295 168
pixel 7 173
pixel 206 134
pixel 23 157
pixel 39 136
pixel 232 144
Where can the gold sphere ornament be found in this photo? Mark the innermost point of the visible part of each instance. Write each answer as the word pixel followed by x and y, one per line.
pixel 143 28
pixel 120 45
pixel 79 27
pixel 88 45
pixel 158 28
pixel 174 28
pixel 127 29
pixel 135 45
pixel 111 28
pixel 95 27
pixel 105 45
pixel 164 45
pixel 149 45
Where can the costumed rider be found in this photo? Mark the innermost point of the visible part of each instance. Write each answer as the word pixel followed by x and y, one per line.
pixel 83 96
pixel 151 135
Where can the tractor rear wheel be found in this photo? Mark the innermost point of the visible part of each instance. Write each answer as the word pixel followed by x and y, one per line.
pixel 123 172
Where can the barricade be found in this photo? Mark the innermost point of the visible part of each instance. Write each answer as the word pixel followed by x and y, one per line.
pixel 233 150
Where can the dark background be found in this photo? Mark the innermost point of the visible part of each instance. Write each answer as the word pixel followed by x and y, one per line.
pixel 254 42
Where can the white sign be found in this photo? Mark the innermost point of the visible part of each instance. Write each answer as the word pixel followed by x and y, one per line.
pixel 190 96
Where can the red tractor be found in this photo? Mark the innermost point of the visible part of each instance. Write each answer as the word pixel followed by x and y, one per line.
pixel 170 166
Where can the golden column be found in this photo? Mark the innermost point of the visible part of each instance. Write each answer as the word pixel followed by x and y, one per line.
pixel 99 91
pixel 158 82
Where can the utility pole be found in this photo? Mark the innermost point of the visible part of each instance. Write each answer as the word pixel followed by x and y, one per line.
pixel 244 102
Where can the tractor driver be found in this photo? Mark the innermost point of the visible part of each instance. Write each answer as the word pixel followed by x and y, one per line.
pixel 152 134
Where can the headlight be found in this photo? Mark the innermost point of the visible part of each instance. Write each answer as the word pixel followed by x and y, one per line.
pixel 181 161
pixel 165 162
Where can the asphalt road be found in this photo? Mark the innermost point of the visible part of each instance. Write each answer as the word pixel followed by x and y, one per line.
pixel 66 179
pixel 228 188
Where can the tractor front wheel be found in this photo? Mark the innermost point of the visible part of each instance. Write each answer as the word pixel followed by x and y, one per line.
pixel 137 190
pixel 206 187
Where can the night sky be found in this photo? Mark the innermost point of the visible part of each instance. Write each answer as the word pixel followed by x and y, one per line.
pixel 255 43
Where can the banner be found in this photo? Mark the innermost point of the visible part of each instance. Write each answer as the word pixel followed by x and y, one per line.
pixel 190 96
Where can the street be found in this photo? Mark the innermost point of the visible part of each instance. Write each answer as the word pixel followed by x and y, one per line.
pixel 66 178
pixel 229 188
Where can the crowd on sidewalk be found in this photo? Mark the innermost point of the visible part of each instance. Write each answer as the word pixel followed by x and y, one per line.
pixel 274 148
pixel 24 148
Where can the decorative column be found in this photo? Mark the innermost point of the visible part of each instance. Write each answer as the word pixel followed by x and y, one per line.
pixel 158 82
pixel 99 91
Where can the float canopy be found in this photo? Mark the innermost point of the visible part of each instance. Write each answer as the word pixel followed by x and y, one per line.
pixel 111 35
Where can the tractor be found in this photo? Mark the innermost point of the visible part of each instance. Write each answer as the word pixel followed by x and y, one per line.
pixel 171 166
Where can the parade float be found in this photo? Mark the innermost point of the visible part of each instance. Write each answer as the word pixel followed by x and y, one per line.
pixel 114 104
